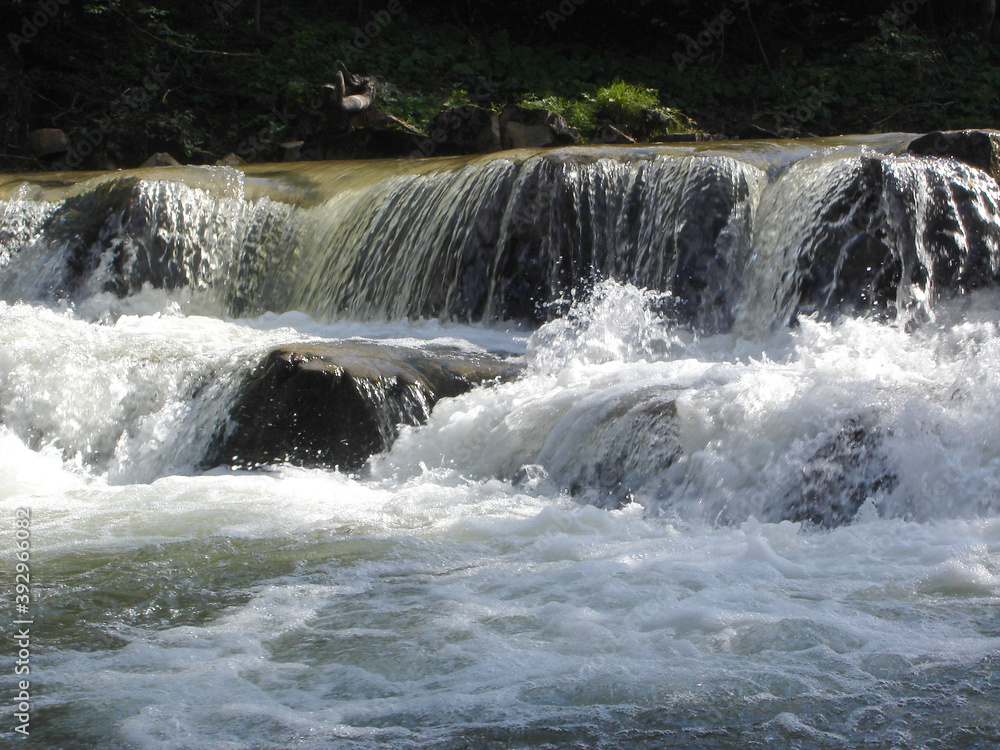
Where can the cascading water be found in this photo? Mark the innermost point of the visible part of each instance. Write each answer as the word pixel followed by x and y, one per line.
pixel 744 492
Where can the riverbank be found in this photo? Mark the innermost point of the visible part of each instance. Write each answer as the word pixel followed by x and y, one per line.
pixel 207 82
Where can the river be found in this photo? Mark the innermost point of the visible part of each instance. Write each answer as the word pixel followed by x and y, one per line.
pixel 686 524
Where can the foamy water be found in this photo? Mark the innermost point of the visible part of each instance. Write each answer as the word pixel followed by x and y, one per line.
pixel 506 576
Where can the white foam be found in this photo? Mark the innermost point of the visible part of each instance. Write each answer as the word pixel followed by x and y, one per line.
pixel 430 599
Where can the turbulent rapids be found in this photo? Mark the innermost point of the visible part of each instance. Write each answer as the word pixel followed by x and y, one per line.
pixel 626 447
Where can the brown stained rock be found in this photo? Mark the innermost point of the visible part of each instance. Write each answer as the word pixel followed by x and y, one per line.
pixel 523 127
pixel 516 135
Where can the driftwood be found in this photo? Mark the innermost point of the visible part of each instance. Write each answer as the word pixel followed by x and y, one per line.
pixel 352 93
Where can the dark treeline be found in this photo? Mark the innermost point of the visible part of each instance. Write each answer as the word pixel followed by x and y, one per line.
pixel 230 75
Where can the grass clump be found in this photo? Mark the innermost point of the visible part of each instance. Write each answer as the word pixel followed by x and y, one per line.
pixel 635 109
pixel 579 113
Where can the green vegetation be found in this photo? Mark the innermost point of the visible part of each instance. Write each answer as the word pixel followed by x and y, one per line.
pixel 620 103
pixel 132 77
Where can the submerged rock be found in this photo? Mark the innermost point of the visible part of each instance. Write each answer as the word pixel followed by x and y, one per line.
pixel 337 404
pixel 846 469
pixel 606 455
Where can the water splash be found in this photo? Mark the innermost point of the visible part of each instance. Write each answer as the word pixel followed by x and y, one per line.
pixel 130 401
pixel 808 424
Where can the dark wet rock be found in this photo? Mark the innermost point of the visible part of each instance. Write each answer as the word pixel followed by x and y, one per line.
pixel 121 234
pixel 655 121
pixel 522 127
pixel 682 138
pixel 512 237
pixel 465 130
pixel 846 266
pixel 977 148
pixel 370 134
pixel 846 469
pixel 377 134
pixel 548 227
pixel 338 404
pixel 869 247
pixel 572 222
pixel 47 142
pixel 107 237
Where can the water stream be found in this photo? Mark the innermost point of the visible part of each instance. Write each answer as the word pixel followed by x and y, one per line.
pixel 746 492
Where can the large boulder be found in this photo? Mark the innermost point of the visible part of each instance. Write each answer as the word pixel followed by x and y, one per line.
pixel 521 127
pixel 977 148
pixel 337 404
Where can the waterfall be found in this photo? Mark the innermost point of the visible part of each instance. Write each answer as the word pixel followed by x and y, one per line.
pixel 602 447
pixel 870 234
pixel 724 235
pixel 738 240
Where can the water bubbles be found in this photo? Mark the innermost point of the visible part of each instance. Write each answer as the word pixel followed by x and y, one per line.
pixel 612 323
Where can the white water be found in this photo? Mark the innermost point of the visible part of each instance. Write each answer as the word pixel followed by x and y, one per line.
pixel 595 555
pixel 448 597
